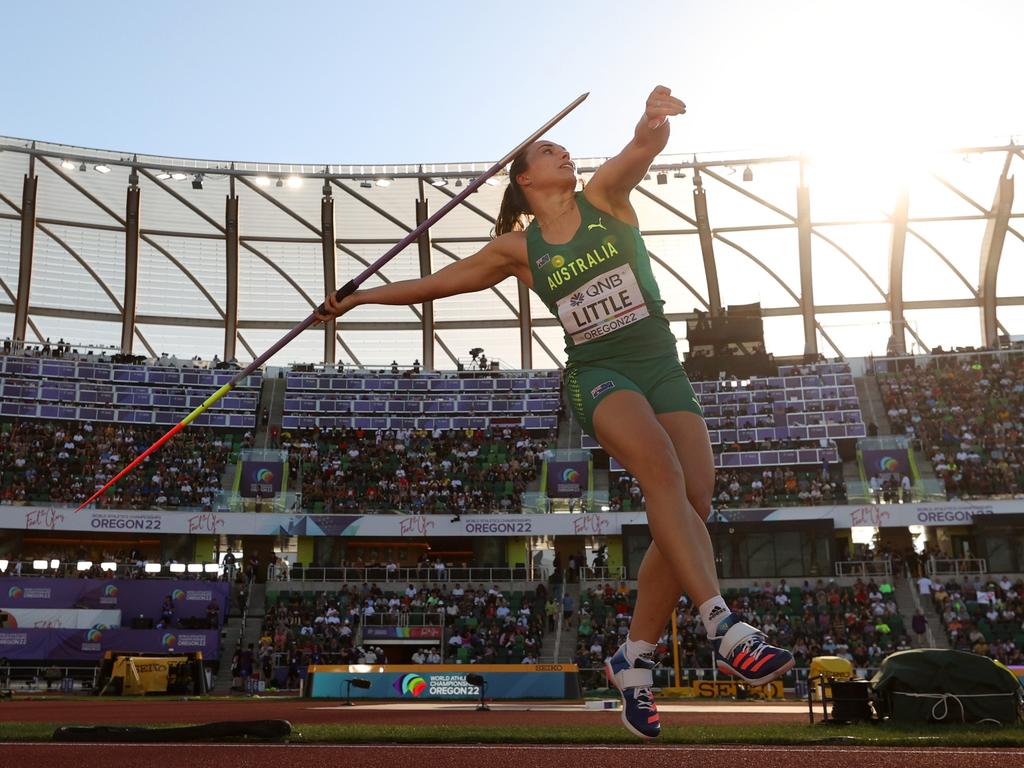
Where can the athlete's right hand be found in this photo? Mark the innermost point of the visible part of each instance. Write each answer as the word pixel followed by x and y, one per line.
pixel 333 308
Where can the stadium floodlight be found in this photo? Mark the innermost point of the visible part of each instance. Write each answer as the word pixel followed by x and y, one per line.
pixel 101 168
pixel 109 565
pixel 40 565
pixel 82 167
pixel 195 567
pixel 211 568
pixel 3 565
pixel 438 182
pixel 67 165
pixel 748 175
pixel 179 176
pixel 163 175
pixel 662 178
pixel 294 182
pixel 54 564
pixel 84 565
pixel 383 182
pixel 197 181
pixel 280 182
pixel 262 181
pixel 458 182
pixel 365 184
pixel 153 567
pixel 177 567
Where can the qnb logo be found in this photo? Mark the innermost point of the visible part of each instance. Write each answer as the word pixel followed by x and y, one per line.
pixel 93 636
pixel 15 593
pixel 110 591
pixel 264 476
pixel 576 299
pixel 177 595
pixel 570 475
pixel 410 684
pixel 169 640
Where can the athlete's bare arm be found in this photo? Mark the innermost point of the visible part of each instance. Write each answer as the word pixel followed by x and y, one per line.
pixel 610 187
pixel 503 257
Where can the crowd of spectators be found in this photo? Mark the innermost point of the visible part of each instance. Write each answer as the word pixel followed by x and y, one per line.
pixel 969 417
pixel 749 488
pixel 983 614
pixel 860 623
pixel 417 471
pixel 66 462
pixel 482 625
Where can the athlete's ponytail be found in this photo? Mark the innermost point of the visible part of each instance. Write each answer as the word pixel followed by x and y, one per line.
pixel 513 205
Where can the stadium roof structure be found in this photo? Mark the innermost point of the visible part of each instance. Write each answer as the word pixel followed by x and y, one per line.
pixel 225 257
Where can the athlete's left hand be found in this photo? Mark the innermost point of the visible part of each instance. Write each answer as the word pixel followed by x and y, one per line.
pixel 661 105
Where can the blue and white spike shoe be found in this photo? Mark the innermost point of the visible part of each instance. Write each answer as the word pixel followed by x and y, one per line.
pixel 634 681
pixel 743 651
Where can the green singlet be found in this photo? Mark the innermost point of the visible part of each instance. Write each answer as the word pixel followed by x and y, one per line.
pixel 601 288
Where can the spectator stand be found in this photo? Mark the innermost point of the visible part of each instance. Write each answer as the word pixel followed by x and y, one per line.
pixel 423 401
pixel 791 422
pixel 63 462
pixel 983 615
pixel 95 391
pixel 855 619
pixel 964 410
pixel 415 470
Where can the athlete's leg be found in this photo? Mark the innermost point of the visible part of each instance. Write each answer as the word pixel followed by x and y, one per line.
pixel 626 427
pixel 657 596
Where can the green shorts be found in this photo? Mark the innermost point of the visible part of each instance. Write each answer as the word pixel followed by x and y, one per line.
pixel 661 380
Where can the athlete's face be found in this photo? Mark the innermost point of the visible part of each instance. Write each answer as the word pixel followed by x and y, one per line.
pixel 547 162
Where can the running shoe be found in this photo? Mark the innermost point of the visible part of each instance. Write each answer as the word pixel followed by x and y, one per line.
pixel 744 652
pixel 639 713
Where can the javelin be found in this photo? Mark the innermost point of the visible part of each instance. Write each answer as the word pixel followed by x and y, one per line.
pixel 346 290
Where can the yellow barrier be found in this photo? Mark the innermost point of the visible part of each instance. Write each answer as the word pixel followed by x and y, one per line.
pixel 144 675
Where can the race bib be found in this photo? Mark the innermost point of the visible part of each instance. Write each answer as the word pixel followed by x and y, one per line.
pixel 604 305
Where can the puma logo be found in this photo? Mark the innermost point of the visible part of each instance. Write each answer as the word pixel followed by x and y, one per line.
pixel 599 225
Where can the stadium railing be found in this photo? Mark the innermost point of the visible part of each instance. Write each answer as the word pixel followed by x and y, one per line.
pixel 963 567
pixel 455 574
pixel 864 569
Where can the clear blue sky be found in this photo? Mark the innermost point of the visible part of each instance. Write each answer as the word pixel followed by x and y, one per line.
pixel 386 81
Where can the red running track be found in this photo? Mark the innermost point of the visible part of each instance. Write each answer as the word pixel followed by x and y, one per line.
pixel 472 756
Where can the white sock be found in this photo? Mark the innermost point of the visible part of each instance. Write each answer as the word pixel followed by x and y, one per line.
pixel 634 648
pixel 712 612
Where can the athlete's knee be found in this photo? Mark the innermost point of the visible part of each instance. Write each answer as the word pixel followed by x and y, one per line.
pixel 700 500
pixel 659 469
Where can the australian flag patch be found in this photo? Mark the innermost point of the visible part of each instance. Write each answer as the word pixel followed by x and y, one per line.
pixel 543 260
pixel 601 388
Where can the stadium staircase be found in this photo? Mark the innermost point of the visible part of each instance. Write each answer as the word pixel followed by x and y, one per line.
pixel 567 638
pixel 234 635
pixel 908 601
pixel 871 405
pixel 272 394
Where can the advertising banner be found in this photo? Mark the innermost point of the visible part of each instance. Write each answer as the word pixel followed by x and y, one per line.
pixel 90 644
pixel 568 479
pixel 133 598
pixel 421 526
pixel 260 478
pixel 882 462
pixel 59 618
pixel 385 634
pixel 504 681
